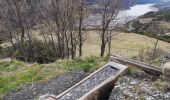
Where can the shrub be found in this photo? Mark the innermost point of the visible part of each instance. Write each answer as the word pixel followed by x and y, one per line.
pixel 86 67
pixel 162 85
pixel 3 36
pixel 36 52
pixel 147 55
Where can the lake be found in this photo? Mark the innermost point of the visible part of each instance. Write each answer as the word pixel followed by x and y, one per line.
pixel 123 16
pixel 139 10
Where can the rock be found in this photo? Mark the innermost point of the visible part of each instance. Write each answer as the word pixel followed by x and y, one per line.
pixel 133 83
pixel 137 86
pixel 166 71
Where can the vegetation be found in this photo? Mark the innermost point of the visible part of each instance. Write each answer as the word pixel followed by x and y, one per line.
pixel 50 32
pixel 163 38
pixel 159 82
pixel 37 52
pixel 108 11
pixel 147 29
pixel 160 15
pixel 162 84
pixel 51 39
pixel 126 44
pixel 60 24
pixel 152 24
pixel 3 37
pixel 15 74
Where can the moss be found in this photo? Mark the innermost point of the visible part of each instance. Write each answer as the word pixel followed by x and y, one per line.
pixel 141 98
pixel 133 70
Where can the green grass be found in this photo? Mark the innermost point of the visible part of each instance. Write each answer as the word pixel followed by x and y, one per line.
pixel 15 74
pixel 86 64
pixel 11 66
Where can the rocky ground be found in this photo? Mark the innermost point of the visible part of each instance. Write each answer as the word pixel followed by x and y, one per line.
pixel 135 85
pixel 140 86
pixel 54 86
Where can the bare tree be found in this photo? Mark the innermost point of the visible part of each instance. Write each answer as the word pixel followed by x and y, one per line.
pixel 108 11
pixel 110 37
pixel 161 31
pixel 160 27
pixel 61 16
pixel 17 18
pixel 81 14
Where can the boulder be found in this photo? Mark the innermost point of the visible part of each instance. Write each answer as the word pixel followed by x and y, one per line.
pixel 166 70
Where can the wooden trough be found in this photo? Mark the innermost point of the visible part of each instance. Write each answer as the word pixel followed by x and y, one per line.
pixel 107 75
pixel 143 66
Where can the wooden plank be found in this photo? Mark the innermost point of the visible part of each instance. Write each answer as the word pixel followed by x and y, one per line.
pixel 95 93
pixel 145 67
pixel 106 84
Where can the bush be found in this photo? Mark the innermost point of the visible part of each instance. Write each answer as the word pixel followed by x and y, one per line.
pixel 162 85
pixel 3 36
pixel 147 55
pixel 37 52
pixel 6 52
pixel 86 67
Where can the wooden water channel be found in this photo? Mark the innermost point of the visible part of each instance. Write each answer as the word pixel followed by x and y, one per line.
pixel 101 81
pixel 150 69
pixel 95 84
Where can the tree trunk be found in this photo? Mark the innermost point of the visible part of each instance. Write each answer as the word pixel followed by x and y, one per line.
pixel 103 45
pixel 155 47
pixel 80 38
pixel 110 42
pixel 80 50
pixel 72 47
pixel 67 45
pixel 80 29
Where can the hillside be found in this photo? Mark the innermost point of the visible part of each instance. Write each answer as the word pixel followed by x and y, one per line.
pixel 127 44
pixel 49 46
pixel 152 24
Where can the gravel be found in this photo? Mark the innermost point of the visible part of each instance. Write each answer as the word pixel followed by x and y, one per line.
pixel 132 86
pixel 89 84
pixel 54 86
pixel 138 86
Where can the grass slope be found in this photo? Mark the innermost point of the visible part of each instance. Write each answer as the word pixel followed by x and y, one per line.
pixel 15 74
pixel 127 44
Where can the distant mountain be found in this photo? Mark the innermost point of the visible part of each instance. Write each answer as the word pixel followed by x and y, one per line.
pixel 129 3
pixel 166 0
pixel 147 1
pixel 164 6
pixel 135 1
